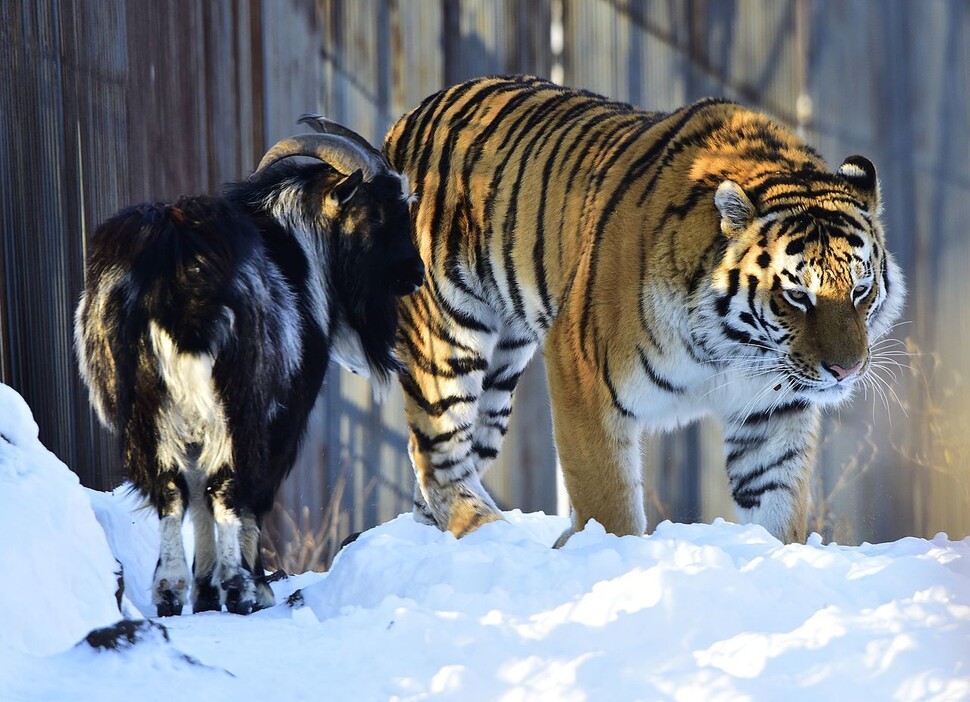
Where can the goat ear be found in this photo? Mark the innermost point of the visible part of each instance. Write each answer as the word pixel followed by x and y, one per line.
pixel 859 172
pixel 736 209
pixel 345 189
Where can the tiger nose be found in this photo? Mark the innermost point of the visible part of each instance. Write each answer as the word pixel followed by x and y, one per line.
pixel 842 373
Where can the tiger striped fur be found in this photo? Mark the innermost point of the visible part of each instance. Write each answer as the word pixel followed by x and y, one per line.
pixel 674 265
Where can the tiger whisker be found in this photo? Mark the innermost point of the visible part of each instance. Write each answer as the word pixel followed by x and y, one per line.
pixel 873 382
pixel 751 404
pixel 883 385
pixel 880 366
pixel 741 376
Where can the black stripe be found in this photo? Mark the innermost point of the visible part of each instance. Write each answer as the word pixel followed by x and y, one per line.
pixel 723 303
pixel 472 156
pixel 424 510
pixel 413 130
pixel 884 275
pixel 680 211
pixel 742 337
pixel 795 246
pixel 450 462
pixel 431 124
pixel 486 452
pixel 467 365
pixel 751 498
pixel 539 137
pixel 426 322
pixel 433 409
pixel 742 446
pixel 427 443
pixel 456 237
pixel 748 319
pixel 511 109
pixel 462 318
pixel 510 344
pixel 780 411
pixel 752 290
pixel 475 150
pixel 492 382
pixel 577 151
pixel 657 380
pixel 663 142
pixel 539 247
pixel 613 396
pixel 714 252
pixel 456 366
pixel 745 480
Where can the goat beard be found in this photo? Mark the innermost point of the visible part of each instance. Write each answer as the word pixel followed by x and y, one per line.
pixel 371 311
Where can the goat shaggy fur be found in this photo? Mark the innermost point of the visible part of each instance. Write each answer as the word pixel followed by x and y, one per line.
pixel 204 334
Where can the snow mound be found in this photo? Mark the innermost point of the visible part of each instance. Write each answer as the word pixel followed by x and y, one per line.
pixel 132 531
pixel 712 612
pixel 61 577
pixel 703 611
pixel 708 611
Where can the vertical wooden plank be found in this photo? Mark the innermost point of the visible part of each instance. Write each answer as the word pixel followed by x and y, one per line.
pixel 95 66
pixel 107 102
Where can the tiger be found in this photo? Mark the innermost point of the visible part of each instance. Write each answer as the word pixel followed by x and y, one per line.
pixel 673 265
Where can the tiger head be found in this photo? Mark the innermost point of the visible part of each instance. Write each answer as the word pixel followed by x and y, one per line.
pixel 807 254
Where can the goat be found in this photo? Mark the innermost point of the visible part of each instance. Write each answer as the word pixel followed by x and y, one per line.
pixel 204 332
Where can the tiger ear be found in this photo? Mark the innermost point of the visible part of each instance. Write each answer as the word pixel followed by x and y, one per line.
pixel 859 172
pixel 736 209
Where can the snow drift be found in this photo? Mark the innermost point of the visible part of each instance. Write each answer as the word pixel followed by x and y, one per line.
pixel 691 612
pixel 60 577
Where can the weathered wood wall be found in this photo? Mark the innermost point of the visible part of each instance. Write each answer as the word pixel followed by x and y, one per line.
pixel 104 103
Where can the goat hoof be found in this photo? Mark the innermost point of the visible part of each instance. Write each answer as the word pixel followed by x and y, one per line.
pixel 169 597
pixel 170 606
pixel 264 597
pixel 206 596
pixel 240 594
pixel 236 605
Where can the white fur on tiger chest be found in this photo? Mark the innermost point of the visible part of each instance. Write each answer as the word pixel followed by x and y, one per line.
pixel 702 390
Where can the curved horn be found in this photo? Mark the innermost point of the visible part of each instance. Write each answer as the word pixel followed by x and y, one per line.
pixel 343 155
pixel 321 124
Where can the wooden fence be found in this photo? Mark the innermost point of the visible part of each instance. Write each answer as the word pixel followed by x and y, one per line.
pixel 106 102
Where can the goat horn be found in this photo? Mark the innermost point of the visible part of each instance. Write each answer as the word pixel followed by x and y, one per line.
pixel 321 124
pixel 338 151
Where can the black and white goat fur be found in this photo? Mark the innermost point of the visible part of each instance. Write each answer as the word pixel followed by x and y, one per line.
pixel 204 334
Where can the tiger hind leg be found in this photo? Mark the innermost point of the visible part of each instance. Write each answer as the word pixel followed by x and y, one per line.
pixel 443 385
pixel 509 360
pixel 448 491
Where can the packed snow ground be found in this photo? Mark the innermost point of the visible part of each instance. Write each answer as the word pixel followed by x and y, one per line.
pixel 692 612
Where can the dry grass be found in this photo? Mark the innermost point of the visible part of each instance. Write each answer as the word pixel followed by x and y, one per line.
pixel 933 443
pixel 939 407
pixel 294 545
pixel 824 516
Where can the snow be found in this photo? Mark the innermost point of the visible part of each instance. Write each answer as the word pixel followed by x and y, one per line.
pixel 61 578
pixel 691 612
